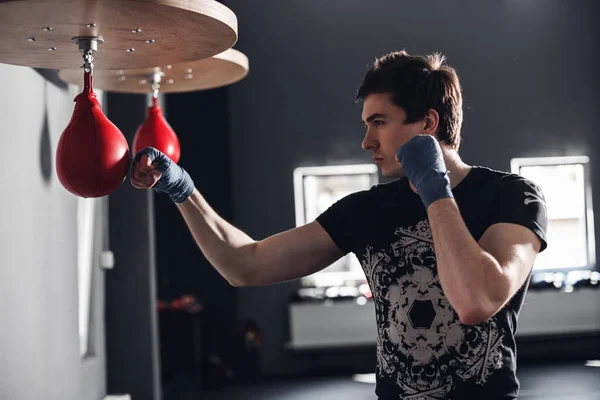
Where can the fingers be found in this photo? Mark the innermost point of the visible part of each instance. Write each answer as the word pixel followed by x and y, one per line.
pixel 145 164
pixel 145 181
pixel 148 166
pixel 150 156
pixel 144 174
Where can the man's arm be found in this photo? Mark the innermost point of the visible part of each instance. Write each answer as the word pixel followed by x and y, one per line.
pixel 243 261
pixel 237 257
pixel 479 278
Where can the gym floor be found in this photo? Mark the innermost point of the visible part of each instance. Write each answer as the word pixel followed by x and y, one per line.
pixel 571 380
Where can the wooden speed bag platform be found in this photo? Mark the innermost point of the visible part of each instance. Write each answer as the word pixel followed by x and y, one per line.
pixel 133 33
pixel 220 70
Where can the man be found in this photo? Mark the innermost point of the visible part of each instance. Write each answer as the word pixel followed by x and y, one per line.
pixel 447 248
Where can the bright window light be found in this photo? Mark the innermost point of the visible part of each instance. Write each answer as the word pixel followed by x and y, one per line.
pixel 566 186
pixel 315 190
pixel 364 378
pixel 593 363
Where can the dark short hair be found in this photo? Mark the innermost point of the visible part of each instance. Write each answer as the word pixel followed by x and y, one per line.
pixel 418 84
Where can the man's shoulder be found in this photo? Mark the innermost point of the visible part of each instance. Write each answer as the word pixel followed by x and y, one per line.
pixel 505 187
pixel 378 191
pixel 498 178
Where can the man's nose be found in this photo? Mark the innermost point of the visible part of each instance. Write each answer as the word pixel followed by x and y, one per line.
pixel 369 143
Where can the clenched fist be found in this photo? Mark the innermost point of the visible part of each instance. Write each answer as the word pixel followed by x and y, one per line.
pixel 423 163
pixel 154 170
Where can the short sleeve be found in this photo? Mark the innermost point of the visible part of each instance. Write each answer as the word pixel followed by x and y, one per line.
pixel 339 220
pixel 522 202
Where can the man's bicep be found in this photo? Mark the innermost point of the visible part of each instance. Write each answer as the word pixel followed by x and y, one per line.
pixel 294 254
pixel 515 247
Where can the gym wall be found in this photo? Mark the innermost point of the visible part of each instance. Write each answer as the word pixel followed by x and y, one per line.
pixel 201 121
pixel 529 74
pixel 39 341
pixel 132 348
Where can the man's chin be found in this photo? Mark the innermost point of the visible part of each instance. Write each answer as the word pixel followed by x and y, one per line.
pixel 395 173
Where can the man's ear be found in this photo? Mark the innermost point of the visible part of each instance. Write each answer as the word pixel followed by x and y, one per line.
pixel 432 123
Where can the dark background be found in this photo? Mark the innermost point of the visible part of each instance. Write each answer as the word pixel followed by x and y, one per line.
pixel 529 71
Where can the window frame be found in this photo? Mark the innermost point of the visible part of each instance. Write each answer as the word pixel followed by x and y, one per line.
pixel 325 278
pixel 584 161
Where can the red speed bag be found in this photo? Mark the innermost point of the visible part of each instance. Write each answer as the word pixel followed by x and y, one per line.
pixel 156 132
pixel 92 158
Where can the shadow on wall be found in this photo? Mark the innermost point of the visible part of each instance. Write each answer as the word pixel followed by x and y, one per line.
pixel 51 75
pixel 45 150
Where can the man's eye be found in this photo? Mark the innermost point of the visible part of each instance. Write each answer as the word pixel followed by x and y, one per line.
pixel 378 123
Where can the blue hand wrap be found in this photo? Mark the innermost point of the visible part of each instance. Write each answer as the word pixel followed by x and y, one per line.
pixel 423 163
pixel 175 181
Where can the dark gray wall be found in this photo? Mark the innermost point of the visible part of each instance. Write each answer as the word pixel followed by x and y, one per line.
pixel 530 79
pixel 201 122
pixel 157 257
pixel 39 329
pixel 132 355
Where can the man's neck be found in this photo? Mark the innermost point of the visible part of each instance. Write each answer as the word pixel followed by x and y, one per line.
pixel 457 169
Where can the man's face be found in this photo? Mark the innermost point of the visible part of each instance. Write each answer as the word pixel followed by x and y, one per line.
pixel 386 132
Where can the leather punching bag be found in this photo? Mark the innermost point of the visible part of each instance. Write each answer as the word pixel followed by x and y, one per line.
pixel 156 132
pixel 92 158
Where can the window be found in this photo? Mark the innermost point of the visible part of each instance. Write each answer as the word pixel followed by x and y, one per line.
pixel 315 190
pixel 566 186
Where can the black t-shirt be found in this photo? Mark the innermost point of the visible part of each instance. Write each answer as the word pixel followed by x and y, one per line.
pixel 423 351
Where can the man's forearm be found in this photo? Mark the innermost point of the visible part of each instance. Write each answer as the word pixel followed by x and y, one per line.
pixel 470 277
pixel 227 248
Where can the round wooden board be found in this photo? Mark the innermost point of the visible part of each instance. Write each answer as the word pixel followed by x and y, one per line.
pixel 161 32
pixel 221 70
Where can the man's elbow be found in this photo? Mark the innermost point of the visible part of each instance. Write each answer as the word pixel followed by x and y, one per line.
pixel 478 314
pixel 474 317
pixel 236 282
pixel 240 280
pixel 244 279
pixel 483 307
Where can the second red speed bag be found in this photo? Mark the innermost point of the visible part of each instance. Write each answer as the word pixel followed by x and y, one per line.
pixel 92 158
pixel 156 132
